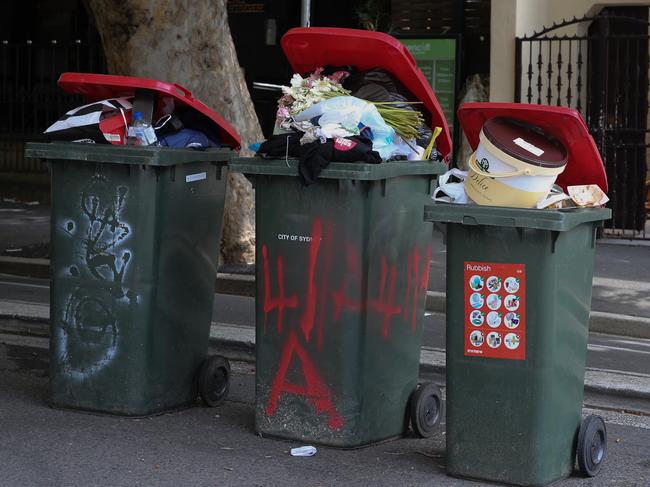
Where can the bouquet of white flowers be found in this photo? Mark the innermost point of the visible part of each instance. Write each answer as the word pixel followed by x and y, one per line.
pixel 306 92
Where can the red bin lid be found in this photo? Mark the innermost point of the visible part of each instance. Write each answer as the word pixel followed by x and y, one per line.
pixel 95 87
pixel 584 165
pixel 308 48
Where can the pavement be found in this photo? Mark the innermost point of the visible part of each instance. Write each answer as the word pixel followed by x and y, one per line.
pixel 200 446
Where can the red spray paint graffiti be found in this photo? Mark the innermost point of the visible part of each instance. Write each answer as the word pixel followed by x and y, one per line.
pixel 314 390
pixel 281 301
pixel 313 308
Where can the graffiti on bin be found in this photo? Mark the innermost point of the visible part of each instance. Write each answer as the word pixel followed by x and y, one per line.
pixel 89 330
pixel 321 299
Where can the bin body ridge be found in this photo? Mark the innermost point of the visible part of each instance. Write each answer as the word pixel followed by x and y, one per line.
pixel 134 255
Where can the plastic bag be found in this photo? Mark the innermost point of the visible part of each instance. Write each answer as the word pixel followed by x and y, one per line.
pixel 349 113
pixel 103 121
pixel 453 192
pixel 379 85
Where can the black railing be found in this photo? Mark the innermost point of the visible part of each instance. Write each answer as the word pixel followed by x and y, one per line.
pixel 602 71
pixel 29 97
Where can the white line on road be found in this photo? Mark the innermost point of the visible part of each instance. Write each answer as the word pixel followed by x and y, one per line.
pixel 640 342
pixel 12 283
pixel 607 348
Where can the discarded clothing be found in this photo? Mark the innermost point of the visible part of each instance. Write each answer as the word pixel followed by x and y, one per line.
pixel 187 138
pixel 316 156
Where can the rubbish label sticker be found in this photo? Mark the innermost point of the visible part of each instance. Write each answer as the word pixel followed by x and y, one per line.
pixel 199 176
pixel 495 310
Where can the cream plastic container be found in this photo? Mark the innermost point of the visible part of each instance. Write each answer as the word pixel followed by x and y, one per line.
pixel 515 164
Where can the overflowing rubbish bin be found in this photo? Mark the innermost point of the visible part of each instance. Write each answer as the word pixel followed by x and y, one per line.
pixel 342 272
pixel 519 283
pixel 135 238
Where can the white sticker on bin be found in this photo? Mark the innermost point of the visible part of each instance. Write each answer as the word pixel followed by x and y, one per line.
pixel 190 178
pixel 528 146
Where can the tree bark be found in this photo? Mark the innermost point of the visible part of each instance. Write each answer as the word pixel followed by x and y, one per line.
pixel 189 42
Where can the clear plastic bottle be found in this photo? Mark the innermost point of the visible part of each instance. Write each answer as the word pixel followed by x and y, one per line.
pixel 140 132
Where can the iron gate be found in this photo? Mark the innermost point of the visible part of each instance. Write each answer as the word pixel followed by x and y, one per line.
pixel 599 66
pixel 30 99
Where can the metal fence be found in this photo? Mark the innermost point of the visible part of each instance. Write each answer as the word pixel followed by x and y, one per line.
pixel 599 66
pixel 29 97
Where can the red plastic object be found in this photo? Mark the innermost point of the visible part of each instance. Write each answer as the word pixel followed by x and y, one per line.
pixel 308 48
pixel 95 87
pixel 584 165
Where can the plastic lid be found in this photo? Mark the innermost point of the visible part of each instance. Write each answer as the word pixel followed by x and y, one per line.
pixel 584 165
pixel 137 116
pixel 95 87
pixel 525 142
pixel 309 48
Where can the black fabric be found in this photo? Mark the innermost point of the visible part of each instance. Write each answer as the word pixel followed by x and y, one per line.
pixel 314 157
pixel 379 85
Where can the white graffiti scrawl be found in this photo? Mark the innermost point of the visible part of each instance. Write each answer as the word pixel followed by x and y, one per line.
pixel 88 332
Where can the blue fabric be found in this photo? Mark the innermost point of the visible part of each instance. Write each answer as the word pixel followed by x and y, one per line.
pixel 188 138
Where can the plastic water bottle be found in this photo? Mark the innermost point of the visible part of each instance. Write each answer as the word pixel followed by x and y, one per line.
pixel 140 132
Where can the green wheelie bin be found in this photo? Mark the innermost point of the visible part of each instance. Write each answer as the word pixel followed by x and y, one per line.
pixel 135 238
pixel 518 301
pixel 342 273
pixel 519 283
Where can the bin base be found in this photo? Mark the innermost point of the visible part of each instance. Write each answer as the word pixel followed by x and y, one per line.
pixel 122 414
pixel 330 444
pixel 505 482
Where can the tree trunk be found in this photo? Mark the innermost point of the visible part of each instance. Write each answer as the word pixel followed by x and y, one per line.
pixel 189 42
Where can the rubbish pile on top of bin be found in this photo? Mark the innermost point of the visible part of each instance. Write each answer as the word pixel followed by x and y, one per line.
pixel 355 97
pixel 526 156
pixel 139 111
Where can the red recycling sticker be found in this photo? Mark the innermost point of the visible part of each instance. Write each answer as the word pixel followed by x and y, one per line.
pixel 495 310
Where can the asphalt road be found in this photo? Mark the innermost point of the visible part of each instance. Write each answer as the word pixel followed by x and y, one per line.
pixel 40 446
pixel 605 351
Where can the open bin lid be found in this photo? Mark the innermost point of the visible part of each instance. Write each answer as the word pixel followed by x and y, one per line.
pixel 584 165
pixel 308 48
pixel 95 87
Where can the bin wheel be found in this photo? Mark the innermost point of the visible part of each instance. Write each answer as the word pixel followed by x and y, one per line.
pixel 426 409
pixel 592 445
pixel 214 380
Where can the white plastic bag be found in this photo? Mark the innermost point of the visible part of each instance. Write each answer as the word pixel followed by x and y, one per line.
pixel 348 112
pixel 447 192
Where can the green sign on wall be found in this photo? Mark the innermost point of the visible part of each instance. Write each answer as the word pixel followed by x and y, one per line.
pixel 437 60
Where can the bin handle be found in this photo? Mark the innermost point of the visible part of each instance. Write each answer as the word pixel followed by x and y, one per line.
pixel 181 90
pixel 473 164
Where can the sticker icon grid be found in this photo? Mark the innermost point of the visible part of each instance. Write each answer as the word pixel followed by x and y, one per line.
pixel 495 310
